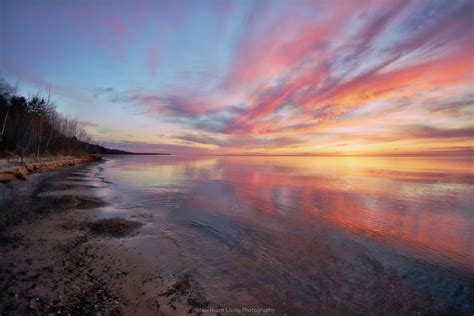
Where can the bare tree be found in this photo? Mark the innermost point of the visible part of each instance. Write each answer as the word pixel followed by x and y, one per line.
pixel 25 142
pixel 11 92
pixel 53 119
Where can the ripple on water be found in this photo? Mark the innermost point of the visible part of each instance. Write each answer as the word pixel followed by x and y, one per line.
pixel 310 235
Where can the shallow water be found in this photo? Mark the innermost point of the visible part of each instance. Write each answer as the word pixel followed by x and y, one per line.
pixel 306 234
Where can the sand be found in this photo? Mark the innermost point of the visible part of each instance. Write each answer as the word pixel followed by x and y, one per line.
pixel 57 255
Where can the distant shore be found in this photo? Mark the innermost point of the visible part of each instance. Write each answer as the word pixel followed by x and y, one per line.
pixel 59 255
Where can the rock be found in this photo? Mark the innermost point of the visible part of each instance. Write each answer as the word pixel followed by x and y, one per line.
pixel 20 175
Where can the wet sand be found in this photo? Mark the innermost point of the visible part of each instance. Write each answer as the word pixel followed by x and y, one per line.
pixel 59 255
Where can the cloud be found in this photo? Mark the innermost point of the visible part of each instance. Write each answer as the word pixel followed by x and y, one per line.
pixel 452 106
pixel 103 91
pixel 162 104
pixel 244 143
pixel 422 131
pixel 89 124
pixel 144 147
pixel 306 74
pixel 326 81
pixel 106 25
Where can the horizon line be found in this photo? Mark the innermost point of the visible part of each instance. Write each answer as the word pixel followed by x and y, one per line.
pixel 307 155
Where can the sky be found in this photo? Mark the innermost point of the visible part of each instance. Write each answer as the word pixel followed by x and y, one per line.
pixel 275 77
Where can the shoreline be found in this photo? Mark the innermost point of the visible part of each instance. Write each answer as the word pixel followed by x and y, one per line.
pixel 19 171
pixel 59 254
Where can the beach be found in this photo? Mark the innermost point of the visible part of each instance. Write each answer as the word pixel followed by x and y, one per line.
pixel 58 255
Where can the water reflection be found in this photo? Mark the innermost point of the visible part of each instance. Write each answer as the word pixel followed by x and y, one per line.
pixel 294 232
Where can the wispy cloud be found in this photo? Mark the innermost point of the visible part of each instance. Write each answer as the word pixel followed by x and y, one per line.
pixel 298 76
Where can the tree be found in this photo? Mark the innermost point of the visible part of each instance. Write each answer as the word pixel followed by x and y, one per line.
pixel 6 92
pixel 32 126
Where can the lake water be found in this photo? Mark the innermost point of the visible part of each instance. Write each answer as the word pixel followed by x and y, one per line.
pixel 306 235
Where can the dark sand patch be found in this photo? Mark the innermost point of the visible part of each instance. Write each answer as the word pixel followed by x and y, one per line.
pixel 78 174
pixel 64 186
pixel 10 239
pixel 23 201
pixel 28 210
pixel 79 179
pixel 80 225
pixel 37 207
pixel 114 227
pixel 68 202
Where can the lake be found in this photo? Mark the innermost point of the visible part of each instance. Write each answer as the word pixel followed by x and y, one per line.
pixel 305 235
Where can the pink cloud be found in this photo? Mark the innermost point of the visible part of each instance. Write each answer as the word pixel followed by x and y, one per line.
pixel 106 27
pixel 306 68
pixel 119 27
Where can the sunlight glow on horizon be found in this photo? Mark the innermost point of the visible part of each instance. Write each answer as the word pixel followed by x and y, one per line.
pixel 252 77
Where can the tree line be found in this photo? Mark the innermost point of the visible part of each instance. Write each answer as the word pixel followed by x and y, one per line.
pixel 31 126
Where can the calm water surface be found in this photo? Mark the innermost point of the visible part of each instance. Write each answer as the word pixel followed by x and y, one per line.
pixel 307 235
